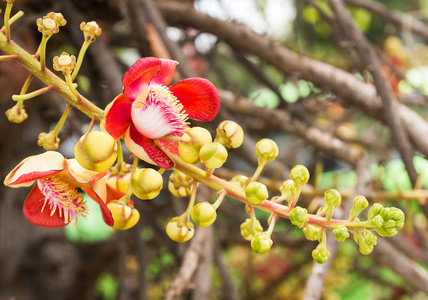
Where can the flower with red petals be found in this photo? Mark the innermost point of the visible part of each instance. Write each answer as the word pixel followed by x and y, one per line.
pixel 148 110
pixel 55 201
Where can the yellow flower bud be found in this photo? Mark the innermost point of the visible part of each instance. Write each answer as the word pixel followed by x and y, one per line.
pixel 229 134
pixel 119 183
pixel 179 232
pixel 49 141
pixel 300 175
pixel 203 214
pixel 16 114
pixel 90 30
pixel 191 143
pixel 239 180
pixel 213 155
pixel 256 192
pixel 124 216
pixel 146 183
pixel 267 149
pixel 96 151
pixel 180 184
pixel 261 243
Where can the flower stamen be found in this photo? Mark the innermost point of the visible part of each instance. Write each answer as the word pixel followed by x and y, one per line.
pixel 63 197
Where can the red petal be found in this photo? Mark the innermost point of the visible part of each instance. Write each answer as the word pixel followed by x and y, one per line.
pixel 156 154
pixel 33 211
pixel 113 194
pixel 168 146
pixel 139 76
pixel 118 117
pixel 199 97
pixel 166 73
pixel 107 217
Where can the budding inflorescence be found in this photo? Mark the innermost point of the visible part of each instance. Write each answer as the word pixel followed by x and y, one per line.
pixel 49 24
pixel 64 63
pixel 90 30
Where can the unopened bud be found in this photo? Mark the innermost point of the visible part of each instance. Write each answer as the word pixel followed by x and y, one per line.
pixel 312 232
pixel 267 149
pixel 341 233
pixel 180 184
pixel 300 175
pixel 191 143
pixel 239 180
pixel 146 183
pixel 229 134
pixel 288 189
pixel 261 243
pixel 360 203
pixel 213 155
pixel 250 229
pixel 299 216
pixel 16 114
pixel 124 216
pixel 320 254
pixel 178 231
pixel 256 192
pixel 119 183
pixel 96 151
pixel 49 141
pixel 203 214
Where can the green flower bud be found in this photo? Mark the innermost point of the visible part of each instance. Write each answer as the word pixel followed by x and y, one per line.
pixel 300 175
pixel 375 210
pixel 299 216
pixel 267 149
pixel 377 221
pixel 360 203
pixel 320 254
pixel 370 238
pixel 146 183
pixel 384 212
pixel 239 180
pixel 213 155
pixel 229 134
pixel 124 215
pixel 203 214
pixel 261 243
pixel 332 198
pixel 191 143
pixel 288 189
pixel 256 192
pixel 250 229
pixel 178 231
pixel 312 232
pixel 96 151
pixel 388 223
pixel 341 233
pixel 180 184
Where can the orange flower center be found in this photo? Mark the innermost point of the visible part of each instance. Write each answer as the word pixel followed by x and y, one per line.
pixel 63 197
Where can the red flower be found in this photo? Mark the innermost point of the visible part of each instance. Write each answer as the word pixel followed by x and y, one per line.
pixel 148 110
pixel 55 201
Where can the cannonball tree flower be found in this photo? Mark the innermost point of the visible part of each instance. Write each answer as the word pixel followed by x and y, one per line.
pixel 148 110
pixel 55 200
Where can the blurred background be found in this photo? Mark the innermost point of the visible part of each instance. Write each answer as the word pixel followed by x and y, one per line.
pixel 286 70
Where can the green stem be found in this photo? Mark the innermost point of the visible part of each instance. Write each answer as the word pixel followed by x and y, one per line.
pixel 71 86
pixel 272 224
pixel 6 21
pixel 39 92
pixel 80 59
pixel 13 19
pixel 62 119
pixel 220 198
pixel 119 153
pixel 8 57
pixel 293 202
pixel 186 215
pixel 43 52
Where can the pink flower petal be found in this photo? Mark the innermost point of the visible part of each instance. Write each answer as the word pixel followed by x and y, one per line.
pixel 35 167
pixel 166 73
pixel 168 146
pixel 144 148
pixel 139 76
pixel 118 117
pixel 32 210
pixel 199 98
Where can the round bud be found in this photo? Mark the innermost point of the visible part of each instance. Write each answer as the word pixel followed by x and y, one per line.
pixel 300 175
pixel 203 214
pixel 191 143
pixel 119 183
pixel 180 184
pixel 239 180
pixel 213 155
pixel 312 232
pixel 256 192
pixel 146 183
pixel 249 229
pixel 288 189
pixel 341 233
pixel 299 216
pixel 267 149
pixel 332 198
pixel 96 151
pixel 179 232
pixel 261 243
pixel 124 216
pixel 229 134
pixel 321 254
